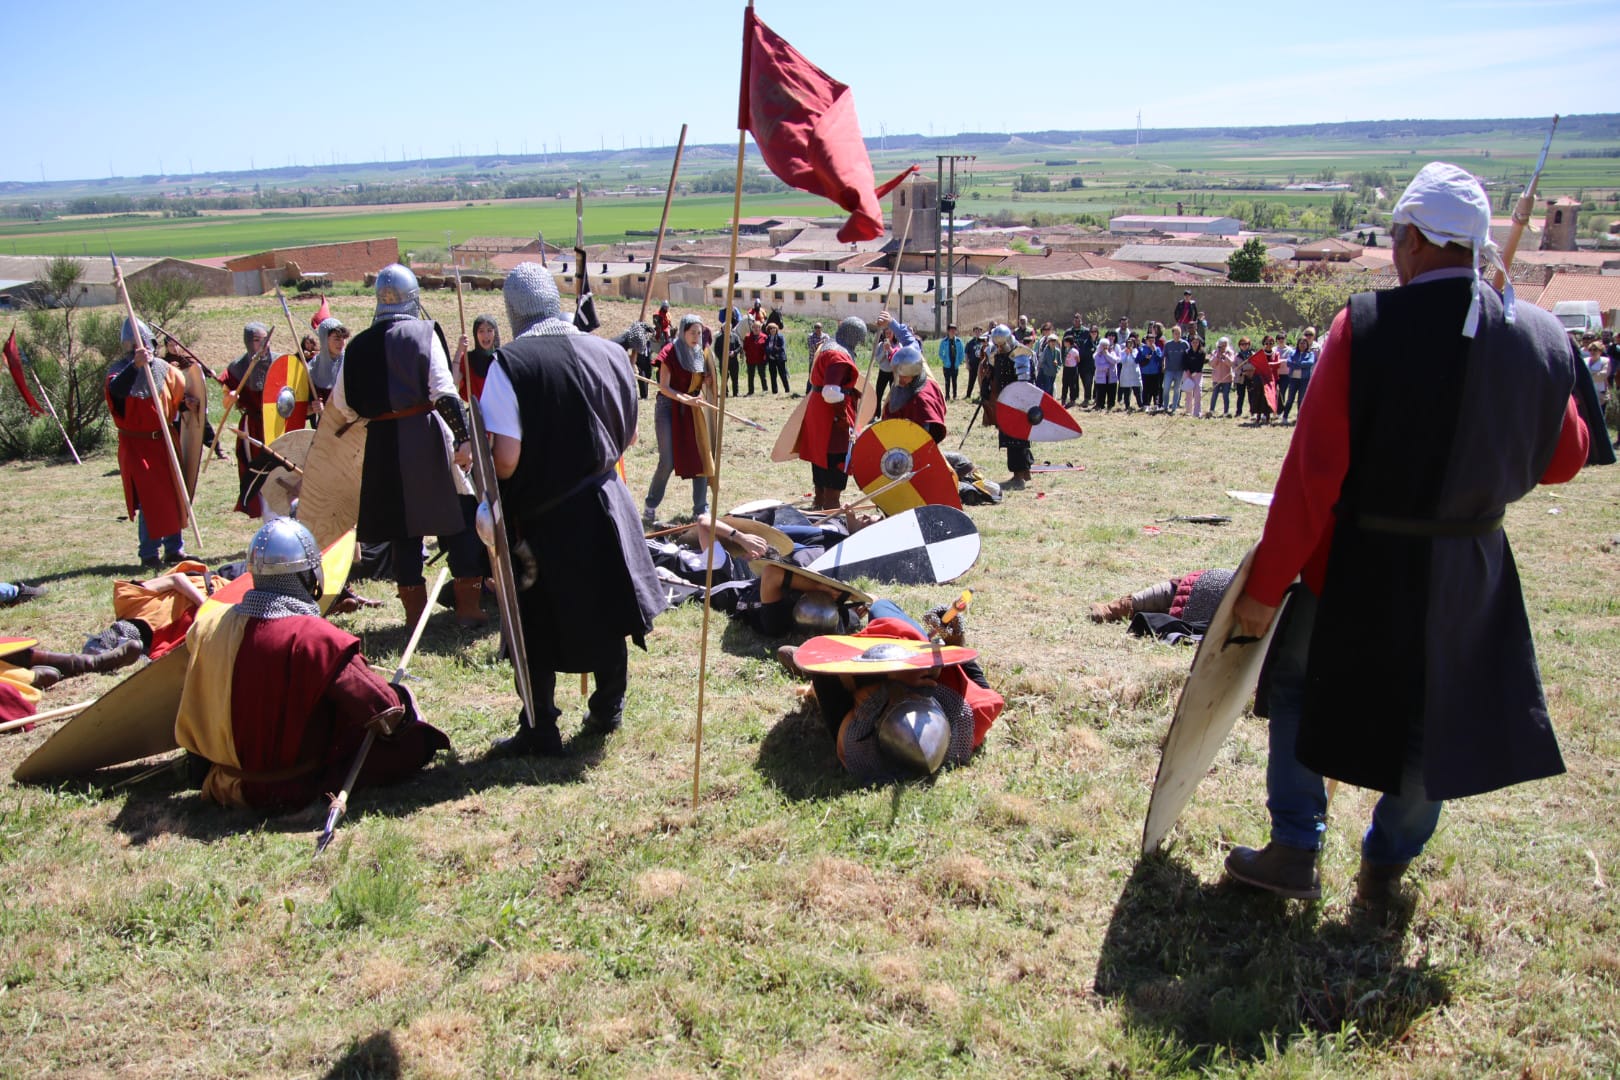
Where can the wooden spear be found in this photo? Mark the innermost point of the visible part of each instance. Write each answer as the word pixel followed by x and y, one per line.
pixel 251 441
pixel 157 403
pixel 719 438
pixel 1523 209
pixel 658 244
pixel 705 403
pixel 50 714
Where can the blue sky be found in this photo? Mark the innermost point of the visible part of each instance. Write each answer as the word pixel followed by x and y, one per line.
pixel 101 88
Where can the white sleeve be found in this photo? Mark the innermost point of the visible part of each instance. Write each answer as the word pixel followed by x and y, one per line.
pixel 440 382
pixel 499 406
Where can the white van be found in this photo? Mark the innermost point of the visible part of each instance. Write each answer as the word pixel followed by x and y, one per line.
pixel 1579 316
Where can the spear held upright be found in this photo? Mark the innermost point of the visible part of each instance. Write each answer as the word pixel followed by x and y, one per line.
pixel 157 403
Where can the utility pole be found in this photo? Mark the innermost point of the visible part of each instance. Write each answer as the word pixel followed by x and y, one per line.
pixel 946 301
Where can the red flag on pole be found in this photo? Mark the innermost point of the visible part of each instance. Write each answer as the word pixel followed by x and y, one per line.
pixel 14 365
pixel 804 122
pixel 320 316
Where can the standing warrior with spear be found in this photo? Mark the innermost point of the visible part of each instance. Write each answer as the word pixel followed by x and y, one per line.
pixel 1370 504
pixel 144 396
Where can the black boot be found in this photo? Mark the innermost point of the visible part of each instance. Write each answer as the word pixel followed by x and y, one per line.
pixel 542 740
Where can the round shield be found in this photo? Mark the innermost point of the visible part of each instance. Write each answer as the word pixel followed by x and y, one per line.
pixel 281 486
pixel 856 654
pixel 890 449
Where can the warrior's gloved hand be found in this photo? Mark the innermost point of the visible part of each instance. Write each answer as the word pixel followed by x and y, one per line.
pixel 951 633
pixel 832 395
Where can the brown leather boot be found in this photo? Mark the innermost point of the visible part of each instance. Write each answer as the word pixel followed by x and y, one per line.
pixel 1115 611
pixel 469 602
pixel 72 664
pixel 414 597
pixel 45 676
pixel 1378 885
pixel 1278 868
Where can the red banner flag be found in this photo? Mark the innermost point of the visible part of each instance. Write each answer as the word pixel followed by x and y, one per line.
pixel 14 365
pixel 320 316
pixel 804 122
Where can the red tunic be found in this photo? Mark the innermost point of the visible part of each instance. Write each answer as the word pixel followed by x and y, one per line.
pixel 250 418
pixel 1299 528
pixel 301 695
pixel 824 433
pixel 689 457
pixel 143 463
pixel 926 408
pixel 754 349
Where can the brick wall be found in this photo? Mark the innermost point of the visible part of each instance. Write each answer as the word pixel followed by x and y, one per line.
pixel 350 261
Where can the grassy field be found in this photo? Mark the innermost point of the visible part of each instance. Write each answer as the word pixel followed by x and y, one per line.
pixel 579 917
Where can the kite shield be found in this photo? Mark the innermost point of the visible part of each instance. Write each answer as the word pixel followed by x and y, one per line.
pixel 135 719
pixel 329 497
pixel 1223 676
pixel 889 450
pixel 193 426
pixel 1025 411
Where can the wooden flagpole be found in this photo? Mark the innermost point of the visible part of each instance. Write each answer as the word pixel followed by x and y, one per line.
pixel 719 438
pixel 157 403
pixel 663 223
pixel 47 399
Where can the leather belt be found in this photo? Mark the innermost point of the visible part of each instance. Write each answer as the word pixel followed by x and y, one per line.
pixel 403 414
pixel 1430 527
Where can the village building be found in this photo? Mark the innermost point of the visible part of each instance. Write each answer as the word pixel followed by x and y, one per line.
pixel 22 278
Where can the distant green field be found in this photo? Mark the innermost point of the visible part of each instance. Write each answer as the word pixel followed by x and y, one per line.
pixel 605 220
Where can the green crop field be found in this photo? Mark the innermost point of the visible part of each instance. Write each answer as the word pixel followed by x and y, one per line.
pixel 238 233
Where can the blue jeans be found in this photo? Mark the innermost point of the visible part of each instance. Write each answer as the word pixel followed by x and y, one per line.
pixel 888 609
pixel 663 426
pixel 1172 390
pixel 1297 797
pixel 172 545
pixel 1294 393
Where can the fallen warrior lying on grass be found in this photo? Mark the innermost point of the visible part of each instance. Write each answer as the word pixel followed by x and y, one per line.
pixel 926 702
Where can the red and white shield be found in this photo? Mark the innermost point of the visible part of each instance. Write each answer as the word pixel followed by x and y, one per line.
pixel 1024 411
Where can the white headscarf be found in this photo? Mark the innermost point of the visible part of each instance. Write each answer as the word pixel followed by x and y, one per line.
pixel 1448 206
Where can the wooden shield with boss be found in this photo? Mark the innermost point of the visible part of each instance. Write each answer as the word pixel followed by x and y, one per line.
pixel 890 449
